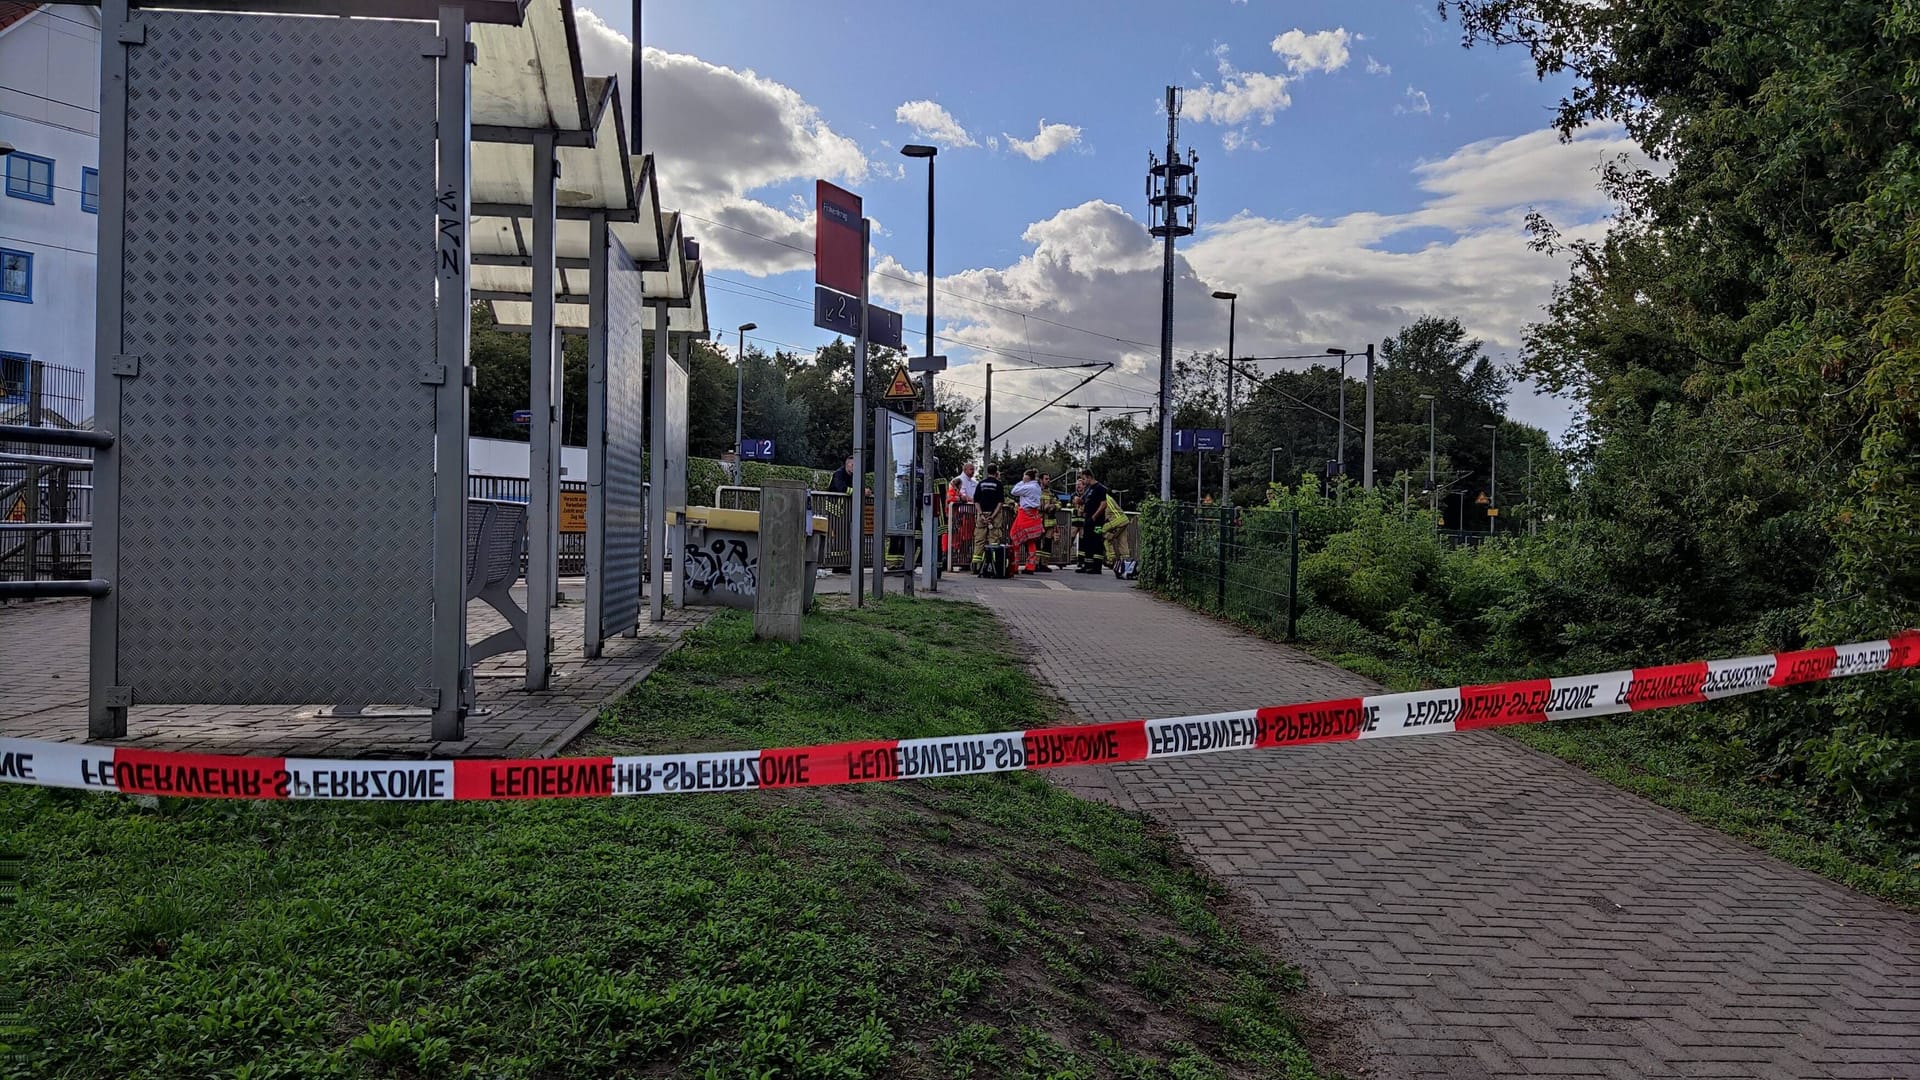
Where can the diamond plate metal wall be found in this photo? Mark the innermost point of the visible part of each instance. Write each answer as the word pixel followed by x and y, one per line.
pixel 676 424
pixel 626 518
pixel 276 493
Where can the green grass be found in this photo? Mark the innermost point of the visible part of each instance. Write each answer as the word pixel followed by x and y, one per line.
pixel 1657 755
pixel 982 927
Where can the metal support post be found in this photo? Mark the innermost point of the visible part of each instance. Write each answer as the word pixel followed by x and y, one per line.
pixel 986 422
pixel 657 547
pixel 930 558
pixel 856 515
pixel 1366 453
pixel 1166 306
pixel 542 456
pixel 882 471
pixel 1226 437
pixel 597 334
pixel 682 359
pixel 36 415
pixel 1493 480
pixel 1433 492
pixel 1293 570
pixel 106 711
pixel 1220 565
pixel 453 314
pixel 1340 426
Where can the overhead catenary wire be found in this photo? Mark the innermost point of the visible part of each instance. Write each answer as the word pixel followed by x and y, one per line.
pixel 719 284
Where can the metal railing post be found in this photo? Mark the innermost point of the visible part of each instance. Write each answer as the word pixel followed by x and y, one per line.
pixel 1293 570
pixel 1220 566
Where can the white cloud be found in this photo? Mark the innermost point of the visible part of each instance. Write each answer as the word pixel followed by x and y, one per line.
pixel 727 135
pixel 1416 104
pixel 1324 50
pixel 993 143
pixel 1050 140
pixel 1375 67
pixel 1240 138
pixel 1304 282
pixel 932 122
pixel 1241 96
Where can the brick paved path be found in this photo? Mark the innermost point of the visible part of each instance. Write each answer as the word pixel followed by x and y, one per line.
pixel 43 694
pixel 1487 910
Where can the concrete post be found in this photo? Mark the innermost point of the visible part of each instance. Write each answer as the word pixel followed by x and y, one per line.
pixel 780 586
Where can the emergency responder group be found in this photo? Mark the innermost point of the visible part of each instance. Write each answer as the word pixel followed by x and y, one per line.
pixel 1021 513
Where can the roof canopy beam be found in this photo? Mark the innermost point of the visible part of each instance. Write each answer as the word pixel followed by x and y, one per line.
pixel 501 134
pixel 527 261
pixel 565 213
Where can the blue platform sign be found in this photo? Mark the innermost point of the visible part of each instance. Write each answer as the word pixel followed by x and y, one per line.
pixel 523 417
pixel 1187 440
pixel 756 449
pixel 839 312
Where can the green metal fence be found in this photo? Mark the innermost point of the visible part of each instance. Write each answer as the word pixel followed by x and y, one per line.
pixel 1241 564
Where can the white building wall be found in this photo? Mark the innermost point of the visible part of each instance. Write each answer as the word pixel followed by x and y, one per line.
pixel 50 107
pixel 504 457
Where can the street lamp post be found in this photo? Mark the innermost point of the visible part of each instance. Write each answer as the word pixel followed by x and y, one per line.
pixel 1226 436
pixel 1431 489
pixel 1340 428
pixel 1366 441
pixel 1493 479
pixel 1273 457
pixel 1093 418
pixel 930 557
pixel 740 388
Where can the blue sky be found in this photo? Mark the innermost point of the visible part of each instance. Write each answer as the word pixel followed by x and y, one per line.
pixel 1358 167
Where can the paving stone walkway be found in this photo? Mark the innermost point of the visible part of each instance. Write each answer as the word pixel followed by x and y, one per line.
pixel 1487 910
pixel 43 694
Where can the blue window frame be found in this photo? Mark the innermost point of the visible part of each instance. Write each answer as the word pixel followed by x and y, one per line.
pixel 16 276
pixel 90 190
pixel 15 370
pixel 30 177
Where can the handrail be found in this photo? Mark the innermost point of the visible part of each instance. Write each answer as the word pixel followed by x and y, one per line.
pixel 52 590
pixel 76 463
pixel 52 436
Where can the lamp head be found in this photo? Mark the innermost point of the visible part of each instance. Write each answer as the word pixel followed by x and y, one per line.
pixel 744 327
pixel 917 150
pixel 1224 295
pixel 1336 352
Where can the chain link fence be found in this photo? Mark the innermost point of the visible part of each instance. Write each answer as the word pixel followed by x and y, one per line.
pixel 1240 564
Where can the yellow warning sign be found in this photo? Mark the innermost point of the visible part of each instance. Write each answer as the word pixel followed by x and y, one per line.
pixel 19 511
pixel 573 511
pixel 927 423
pixel 902 385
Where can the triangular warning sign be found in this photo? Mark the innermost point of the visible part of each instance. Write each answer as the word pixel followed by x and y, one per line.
pixel 19 511
pixel 902 386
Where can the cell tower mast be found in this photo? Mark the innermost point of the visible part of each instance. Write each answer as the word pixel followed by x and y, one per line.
pixel 1172 186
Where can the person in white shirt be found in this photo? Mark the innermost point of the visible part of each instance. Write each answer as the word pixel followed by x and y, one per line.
pixel 1027 526
pixel 964 515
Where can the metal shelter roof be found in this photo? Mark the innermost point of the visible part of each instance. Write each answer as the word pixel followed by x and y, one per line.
pixel 529 75
pixel 528 81
pixel 571 311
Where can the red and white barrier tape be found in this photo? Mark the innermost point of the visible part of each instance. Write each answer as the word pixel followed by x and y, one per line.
pixel 1426 712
